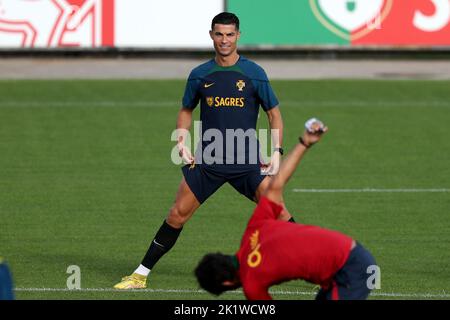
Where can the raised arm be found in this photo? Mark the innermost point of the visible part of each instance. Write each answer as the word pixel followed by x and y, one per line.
pixel 290 163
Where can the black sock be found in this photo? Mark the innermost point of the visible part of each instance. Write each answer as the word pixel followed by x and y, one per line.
pixel 164 240
pixel 291 220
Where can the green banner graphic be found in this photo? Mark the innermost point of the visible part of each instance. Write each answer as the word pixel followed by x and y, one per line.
pixel 266 22
pixel 344 22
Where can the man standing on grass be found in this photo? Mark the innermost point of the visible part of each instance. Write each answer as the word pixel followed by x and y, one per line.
pixel 273 251
pixel 230 89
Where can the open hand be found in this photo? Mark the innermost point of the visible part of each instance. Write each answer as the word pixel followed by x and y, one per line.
pixel 185 153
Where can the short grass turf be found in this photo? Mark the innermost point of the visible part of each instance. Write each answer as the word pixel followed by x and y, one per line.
pixel 86 179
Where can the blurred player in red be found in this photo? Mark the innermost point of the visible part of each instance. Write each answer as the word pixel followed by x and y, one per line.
pixel 274 251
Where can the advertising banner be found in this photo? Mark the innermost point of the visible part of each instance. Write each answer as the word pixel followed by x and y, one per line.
pixel 56 23
pixel 185 24
pixel 106 23
pixel 344 22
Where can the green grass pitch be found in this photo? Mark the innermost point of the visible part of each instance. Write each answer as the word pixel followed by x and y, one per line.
pixel 86 179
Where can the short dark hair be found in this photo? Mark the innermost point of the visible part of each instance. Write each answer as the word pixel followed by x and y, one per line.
pixel 213 270
pixel 225 18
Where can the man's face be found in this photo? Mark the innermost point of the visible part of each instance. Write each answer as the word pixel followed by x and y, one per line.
pixel 225 38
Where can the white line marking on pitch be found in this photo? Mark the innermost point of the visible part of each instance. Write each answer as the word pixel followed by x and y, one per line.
pixel 27 104
pixel 442 190
pixel 289 293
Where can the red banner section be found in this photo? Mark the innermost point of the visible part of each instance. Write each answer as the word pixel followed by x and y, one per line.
pixel 412 22
pixel 57 23
pixel 108 27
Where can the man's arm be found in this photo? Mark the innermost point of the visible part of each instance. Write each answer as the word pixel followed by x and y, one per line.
pixel 276 126
pixel 184 121
pixel 290 163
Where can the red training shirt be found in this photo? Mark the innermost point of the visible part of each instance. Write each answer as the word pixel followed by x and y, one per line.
pixel 273 251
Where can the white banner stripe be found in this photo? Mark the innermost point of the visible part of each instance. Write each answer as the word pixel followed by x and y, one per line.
pixel 441 190
pixel 197 291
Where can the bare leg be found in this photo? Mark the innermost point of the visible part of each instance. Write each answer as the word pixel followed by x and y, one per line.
pixel 184 206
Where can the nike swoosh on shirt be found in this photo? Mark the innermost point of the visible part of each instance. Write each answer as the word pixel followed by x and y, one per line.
pixel 207 85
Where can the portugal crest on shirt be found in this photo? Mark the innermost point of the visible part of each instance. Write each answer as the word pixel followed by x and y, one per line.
pixel 240 84
pixel 210 101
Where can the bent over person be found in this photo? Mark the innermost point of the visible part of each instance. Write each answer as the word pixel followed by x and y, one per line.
pixel 230 90
pixel 274 251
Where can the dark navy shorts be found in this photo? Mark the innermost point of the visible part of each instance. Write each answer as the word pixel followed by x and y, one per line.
pixel 352 281
pixel 204 180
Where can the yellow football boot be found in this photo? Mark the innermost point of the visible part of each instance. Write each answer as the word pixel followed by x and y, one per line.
pixel 135 281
